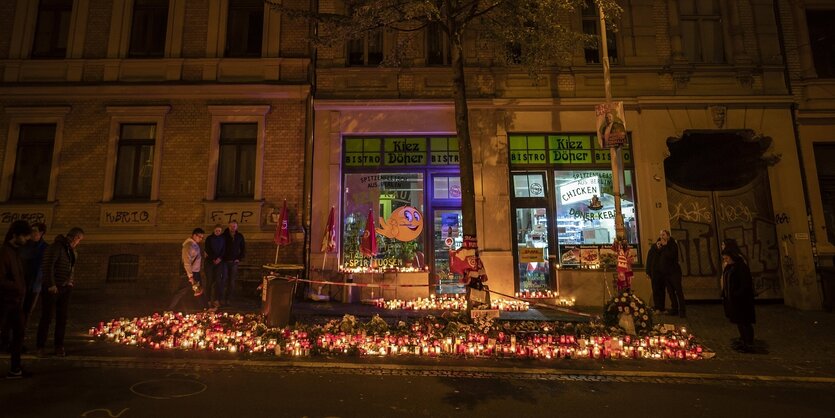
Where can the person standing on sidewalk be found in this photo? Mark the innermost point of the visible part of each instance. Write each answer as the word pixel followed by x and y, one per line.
pixel 31 254
pixel 738 297
pixel 670 270
pixel 13 291
pixel 32 268
pixel 235 252
pixel 58 266
pixel 192 258
pixel 656 278
pixel 215 266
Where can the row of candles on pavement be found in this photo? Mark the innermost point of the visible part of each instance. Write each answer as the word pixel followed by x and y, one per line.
pixel 452 303
pixel 163 332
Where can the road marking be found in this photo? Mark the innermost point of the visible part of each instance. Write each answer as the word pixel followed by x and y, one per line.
pixel 135 390
pixel 109 412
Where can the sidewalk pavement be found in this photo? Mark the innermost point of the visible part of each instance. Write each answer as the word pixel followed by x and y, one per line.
pixel 790 343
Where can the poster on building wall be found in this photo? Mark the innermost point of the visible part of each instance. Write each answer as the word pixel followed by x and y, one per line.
pixel 611 124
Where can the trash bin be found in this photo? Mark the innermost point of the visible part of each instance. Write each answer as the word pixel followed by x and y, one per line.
pixel 277 300
pixel 350 294
pixel 827 275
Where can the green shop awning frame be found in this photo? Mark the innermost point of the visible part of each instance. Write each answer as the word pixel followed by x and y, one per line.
pixel 562 149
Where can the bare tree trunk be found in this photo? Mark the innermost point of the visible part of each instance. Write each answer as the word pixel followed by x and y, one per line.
pixel 465 152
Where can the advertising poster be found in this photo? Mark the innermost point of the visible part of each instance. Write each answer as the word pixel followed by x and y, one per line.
pixel 589 255
pixel 570 255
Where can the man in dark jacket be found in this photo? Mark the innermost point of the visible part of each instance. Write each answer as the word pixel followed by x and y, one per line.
pixel 32 263
pixel 58 266
pixel 656 278
pixel 31 254
pixel 215 266
pixel 235 252
pixel 669 268
pixel 13 291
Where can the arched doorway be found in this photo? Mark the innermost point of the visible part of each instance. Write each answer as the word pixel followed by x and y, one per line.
pixel 717 188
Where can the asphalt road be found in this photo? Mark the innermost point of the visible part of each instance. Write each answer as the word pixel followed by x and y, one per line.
pixel 67 388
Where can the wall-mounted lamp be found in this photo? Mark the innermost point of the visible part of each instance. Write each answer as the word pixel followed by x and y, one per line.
pixel 656 177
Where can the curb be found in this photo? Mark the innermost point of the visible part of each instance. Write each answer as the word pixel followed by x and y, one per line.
pixel 450 371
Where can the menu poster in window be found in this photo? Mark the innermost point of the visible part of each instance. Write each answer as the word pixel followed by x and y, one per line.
pixel 589 255
pixel 531 255
pixel 608 257
pixel 570 255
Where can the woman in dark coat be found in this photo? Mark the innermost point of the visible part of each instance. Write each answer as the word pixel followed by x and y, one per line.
pixel 738 297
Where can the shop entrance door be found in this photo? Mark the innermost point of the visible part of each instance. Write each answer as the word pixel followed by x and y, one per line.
pixel 532 251
pixel 447 235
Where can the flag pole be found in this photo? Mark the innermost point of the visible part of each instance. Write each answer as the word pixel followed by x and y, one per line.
pixel 277 247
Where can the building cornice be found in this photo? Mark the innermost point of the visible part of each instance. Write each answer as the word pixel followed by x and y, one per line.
pixel 816 117
pixel 136 92
pixel 635 103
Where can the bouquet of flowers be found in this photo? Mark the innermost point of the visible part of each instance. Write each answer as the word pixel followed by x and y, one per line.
pixel 626 307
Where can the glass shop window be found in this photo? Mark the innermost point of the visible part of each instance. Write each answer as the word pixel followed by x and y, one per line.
pixel 396 201
pixel 585 214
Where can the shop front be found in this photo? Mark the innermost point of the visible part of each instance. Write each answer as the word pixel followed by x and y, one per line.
pixel 410 189
pixel 562 201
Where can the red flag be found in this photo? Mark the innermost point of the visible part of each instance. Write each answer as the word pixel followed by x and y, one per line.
pixel 329 240
pixel 282 232
pixel 368 242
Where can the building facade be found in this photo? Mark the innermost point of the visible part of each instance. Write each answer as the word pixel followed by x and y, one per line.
pixel 808 37
pixel 711 154
pixel 139 120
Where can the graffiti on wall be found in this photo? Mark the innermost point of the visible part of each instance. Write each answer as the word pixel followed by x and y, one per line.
pixel 700 220
pixel 31 217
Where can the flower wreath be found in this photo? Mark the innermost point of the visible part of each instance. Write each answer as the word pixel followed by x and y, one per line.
pixel 628 303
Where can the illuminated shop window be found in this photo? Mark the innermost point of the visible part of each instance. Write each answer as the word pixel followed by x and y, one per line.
pixel 564 205
pixel 412 187
pixel 585 215
pixel 397 204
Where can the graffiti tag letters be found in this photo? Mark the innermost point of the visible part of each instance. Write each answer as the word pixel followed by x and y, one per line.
pixel 240 216
pixel 135 217
pixel 31 217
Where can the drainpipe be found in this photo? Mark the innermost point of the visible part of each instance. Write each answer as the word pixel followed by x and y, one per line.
pixel 308 145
